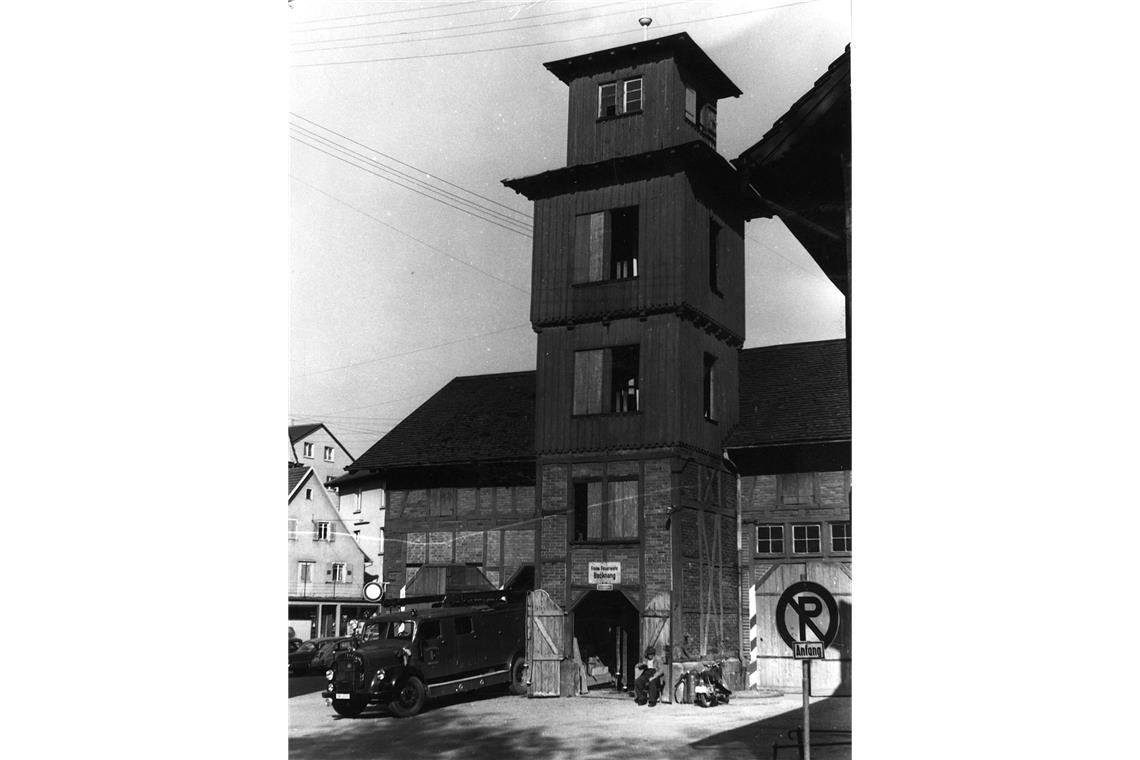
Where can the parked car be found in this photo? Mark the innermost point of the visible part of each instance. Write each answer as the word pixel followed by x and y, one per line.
pixel 326 655
pixel 300 659
pixel 405 658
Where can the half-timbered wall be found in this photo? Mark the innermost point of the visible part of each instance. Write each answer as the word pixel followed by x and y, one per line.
pixel 673 263
pixel 670 408
pixel 492 528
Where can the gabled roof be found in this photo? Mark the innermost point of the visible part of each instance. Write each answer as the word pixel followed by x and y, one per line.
pixel 679 46
pixel 794 393
pixel 297 476
pixel 473 418
pixel 297 432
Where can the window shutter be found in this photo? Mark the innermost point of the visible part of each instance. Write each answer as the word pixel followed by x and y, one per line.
pixel 623 509
pixel 316 531
pixel 691 104
pixel 597 246
pixel 332 531
pixel 348 570
pixel 588 381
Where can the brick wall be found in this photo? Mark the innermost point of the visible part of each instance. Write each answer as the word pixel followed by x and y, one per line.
pixel 658 497
pixel 554 581
pixel 554 488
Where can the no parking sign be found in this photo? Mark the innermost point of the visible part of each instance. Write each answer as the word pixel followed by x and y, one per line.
pixel 807 619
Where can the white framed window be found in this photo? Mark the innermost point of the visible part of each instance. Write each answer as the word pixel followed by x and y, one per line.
pixel 337 573
pixel 305 571
pixel 307 450
pixel 324 531
pixel 328 453
pixel 607 99
pixel 631 100
pixel 841 536
pixel 806 539
pixel 769 539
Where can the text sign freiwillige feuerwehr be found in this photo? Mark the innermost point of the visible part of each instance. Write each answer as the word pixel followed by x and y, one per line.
pixel 605 572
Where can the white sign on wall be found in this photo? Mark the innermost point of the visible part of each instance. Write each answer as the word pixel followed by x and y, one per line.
pixel 605 572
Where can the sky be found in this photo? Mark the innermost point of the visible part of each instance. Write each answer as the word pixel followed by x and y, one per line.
pixel 392 292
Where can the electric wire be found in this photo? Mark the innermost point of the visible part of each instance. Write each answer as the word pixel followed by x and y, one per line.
pixel 417 192
pixel 515 27
pixel 387 13
pixel 418 18
pixel 548 42
pixel 521 227
pixel 525 216
pixel 411 237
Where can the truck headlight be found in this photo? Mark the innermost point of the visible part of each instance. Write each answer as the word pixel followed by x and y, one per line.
pixel 377 680
pixel 329 674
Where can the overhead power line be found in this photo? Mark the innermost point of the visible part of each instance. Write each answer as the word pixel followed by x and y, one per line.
pixel 413 351
pixel 425 244
pixel 516 24
pixel 387 13
pixel 526 217
pixel 417 192
pixel 548 42
pixel 420 18
pixel 493 214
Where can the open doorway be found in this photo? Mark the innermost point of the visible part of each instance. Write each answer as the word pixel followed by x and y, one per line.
pixel 607 634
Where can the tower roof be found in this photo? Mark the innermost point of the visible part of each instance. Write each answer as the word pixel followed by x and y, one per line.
pixel 678 46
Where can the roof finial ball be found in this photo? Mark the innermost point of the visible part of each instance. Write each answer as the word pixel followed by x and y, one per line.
pixel 645 21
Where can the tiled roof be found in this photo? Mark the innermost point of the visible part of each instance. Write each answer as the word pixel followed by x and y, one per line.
pixel 297 432
pixel 296 475
pixel 794 393
pixel 474 418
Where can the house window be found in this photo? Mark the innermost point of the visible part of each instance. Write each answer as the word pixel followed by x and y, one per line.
pixel 336 573
pixel 605 511
pixel 307 450
pixel 607 380
pixel 630 98
pixel 308 494
pixel 805 539
pixel 797 488
pixel 292 529
pixel 714 256
pixel 769 539
pixel 356 501
pixel 691 104
pixel 606 245
pixel 710 387
pixel 700 113
pixel 305 571
pixel 328 453
pixel 323 531
pixel 841 537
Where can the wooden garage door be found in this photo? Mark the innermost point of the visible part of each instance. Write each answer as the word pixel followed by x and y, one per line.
pixel 545 629
pixel 773 665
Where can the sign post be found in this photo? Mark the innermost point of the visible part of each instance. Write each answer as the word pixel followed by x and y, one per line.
pixel 803 603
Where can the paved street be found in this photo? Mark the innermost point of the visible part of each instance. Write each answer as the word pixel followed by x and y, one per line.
pixel 494 725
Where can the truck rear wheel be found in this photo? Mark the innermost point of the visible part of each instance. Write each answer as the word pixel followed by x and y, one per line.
pixel 350 708
pixel 410 699
pixel 518 676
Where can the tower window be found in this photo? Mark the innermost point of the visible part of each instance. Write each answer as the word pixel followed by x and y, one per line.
pixel 607 381
pixel 769 539
pixel 606 245
pixel 605 511
pixel 630 102
pixel 797 489
pixel 840 536
pixel 710 387
pixel 805 539
pixel 632 94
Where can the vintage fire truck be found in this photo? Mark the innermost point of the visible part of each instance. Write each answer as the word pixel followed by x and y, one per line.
pixel 460 643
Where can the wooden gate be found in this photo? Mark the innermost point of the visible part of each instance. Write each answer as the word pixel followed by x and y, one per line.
pixel 545 631
pixel 772 663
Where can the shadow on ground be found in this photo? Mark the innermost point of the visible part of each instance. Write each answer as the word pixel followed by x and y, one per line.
pixel 756 739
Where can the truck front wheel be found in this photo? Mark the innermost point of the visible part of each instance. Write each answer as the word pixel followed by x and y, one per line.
pixel 350 708
pixel 518 675
pixel 410 699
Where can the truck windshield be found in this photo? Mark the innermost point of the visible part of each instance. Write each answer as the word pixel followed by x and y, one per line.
pixel 401 630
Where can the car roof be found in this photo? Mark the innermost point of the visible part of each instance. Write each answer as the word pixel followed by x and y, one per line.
pixel 437 613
